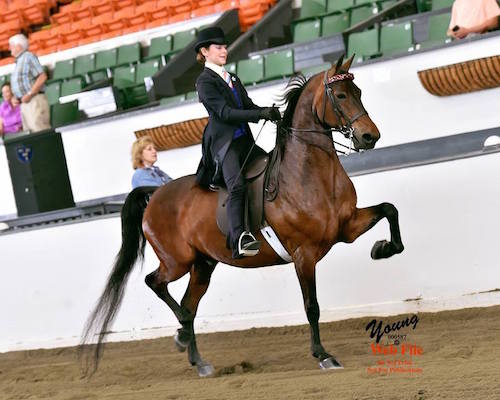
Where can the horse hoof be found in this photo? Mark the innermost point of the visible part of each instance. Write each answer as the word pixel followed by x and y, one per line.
pixel 380 250
pixel 180 345
pixel 330 363
pixel 205 370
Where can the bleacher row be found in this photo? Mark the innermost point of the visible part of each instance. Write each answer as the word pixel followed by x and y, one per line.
pixel 128 66
pixel 86 21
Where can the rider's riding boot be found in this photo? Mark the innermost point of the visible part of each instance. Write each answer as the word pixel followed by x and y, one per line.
pixel 247 246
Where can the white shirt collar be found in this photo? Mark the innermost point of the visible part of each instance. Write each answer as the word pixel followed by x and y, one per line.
pixel 218 69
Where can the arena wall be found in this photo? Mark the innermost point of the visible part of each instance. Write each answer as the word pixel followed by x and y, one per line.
pixel 449 219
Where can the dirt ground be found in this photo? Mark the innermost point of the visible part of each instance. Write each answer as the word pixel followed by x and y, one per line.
pixel 460 359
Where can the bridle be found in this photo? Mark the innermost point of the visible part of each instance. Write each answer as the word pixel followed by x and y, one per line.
pixel 345 124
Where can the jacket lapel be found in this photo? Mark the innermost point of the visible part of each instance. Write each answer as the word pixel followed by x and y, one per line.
pixel 225 87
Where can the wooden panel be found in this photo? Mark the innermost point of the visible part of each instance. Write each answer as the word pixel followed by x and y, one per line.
pixel 466 77
pixel 181 134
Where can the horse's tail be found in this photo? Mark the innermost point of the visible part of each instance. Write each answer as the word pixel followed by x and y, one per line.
pixel 132 249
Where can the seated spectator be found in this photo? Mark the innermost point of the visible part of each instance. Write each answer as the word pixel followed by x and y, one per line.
pixel 143 157
pixel 473 17
pixel 10 112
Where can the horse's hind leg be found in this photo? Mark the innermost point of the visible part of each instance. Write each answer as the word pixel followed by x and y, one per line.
pixel 200 274
pixel 158 281
pixel 365 218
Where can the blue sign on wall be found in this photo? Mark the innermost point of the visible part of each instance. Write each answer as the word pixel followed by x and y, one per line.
pixel 24 154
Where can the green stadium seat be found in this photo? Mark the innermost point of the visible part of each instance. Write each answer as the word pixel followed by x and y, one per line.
pixel 315 69
pixel 251 70
pixel 360 14
pixel 106 59
pixel 305 31
pixel 129 54
pixel 72 86
pixel 424 5
pixel 3 79
pixel 192 95
pixel 359 2
pixel 136 96
pixel 278 64
pixel 64 114
pixel 339 5
pixel 53 92
pixel 160 46
pixel 147 69
pixel 84 64
pixel 438 27
pixel 363 44
pixel 387 3
pixel 173 100
pixel 334 23
pixel 440 4
pixel 436 32
pixel 63 69
pixel 312 8
pixel 231 67
pixel 182 39
pixel 396 38
pixel 124 76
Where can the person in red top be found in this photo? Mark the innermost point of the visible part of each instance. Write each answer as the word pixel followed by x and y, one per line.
pixel 473 17
pixel 10 112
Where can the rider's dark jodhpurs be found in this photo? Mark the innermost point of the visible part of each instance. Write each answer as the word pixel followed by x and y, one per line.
pixel 231 165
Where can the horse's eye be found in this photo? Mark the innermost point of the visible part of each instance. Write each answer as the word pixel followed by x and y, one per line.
pixel 341 95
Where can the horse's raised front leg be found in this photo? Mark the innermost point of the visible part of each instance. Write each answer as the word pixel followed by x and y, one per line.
pixel 306 272
pixel 198 284
pixel 365 218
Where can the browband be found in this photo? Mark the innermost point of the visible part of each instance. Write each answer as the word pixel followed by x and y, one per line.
pixel 340 77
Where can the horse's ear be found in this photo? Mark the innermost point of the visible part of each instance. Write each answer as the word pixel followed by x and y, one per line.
pixel 339 64
pixel 345 67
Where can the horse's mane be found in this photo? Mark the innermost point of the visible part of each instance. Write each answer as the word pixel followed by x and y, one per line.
pixel 290 97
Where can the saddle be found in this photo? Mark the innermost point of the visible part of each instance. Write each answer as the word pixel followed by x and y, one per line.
pixel 254 201
pixel 262 181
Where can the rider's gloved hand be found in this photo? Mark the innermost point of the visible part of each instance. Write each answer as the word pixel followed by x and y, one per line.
pixel 270 114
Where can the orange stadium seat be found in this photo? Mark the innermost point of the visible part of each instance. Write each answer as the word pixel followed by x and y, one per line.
pixel 99 7
pixel 55 39
pixel 71 37
pixel 7 60
pixel 66 13
pixel 97 28
pixel 84 11
pixel 121 19
pixel 36 12
pixel 143 14
pixel 8 29
pixel 181 6
pixel 226 5
pixel 202 11
pixel 121 4
pixel 179 17
pixel 206 3
pixel 160 15
pixel 37 39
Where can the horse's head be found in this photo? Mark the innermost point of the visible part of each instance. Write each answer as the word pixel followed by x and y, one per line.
pixel 337 104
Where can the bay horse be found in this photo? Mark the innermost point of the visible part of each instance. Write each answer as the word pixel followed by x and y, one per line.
pixel 314 209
